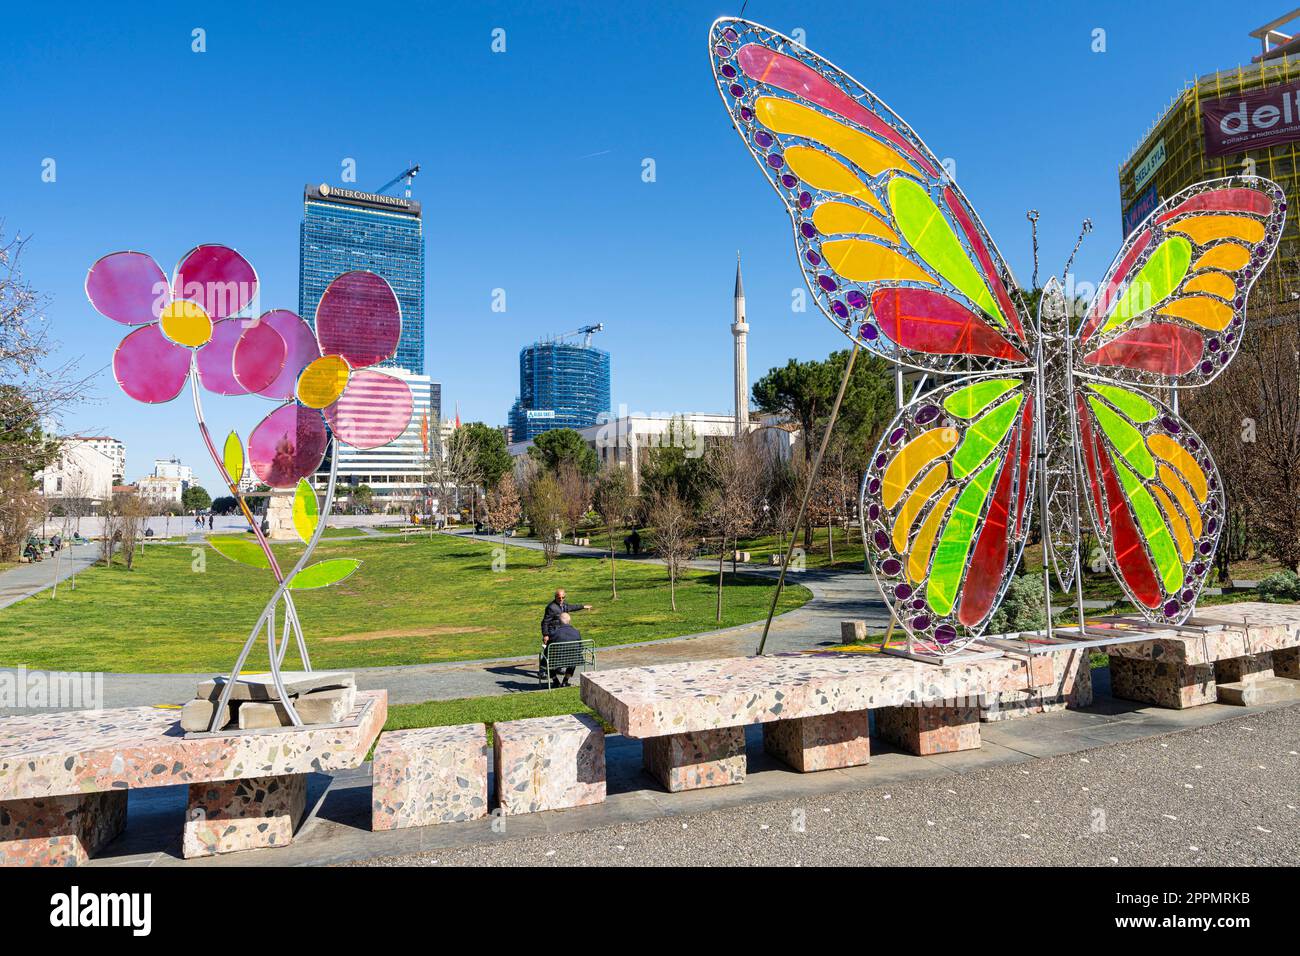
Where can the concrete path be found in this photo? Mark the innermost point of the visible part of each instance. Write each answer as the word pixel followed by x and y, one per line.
pixel 26 580
pixel 1115 784
pixel 837 595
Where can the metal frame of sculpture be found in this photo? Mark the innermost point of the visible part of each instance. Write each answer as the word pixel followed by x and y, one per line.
pixel 196 328
pixel 899 261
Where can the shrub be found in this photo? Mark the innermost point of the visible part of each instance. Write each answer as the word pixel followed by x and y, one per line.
pixel 1280 586
pixel 1022 607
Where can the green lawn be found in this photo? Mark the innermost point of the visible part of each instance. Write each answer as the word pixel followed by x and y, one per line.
pixel 416 601
pixel 487 710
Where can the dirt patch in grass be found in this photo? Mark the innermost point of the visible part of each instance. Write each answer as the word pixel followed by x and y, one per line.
pixel 409 632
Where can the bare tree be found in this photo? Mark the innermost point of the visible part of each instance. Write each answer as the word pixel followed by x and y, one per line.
pixel 613 501
pixel 20 507
pixel 731 504
pixel 544 504
pixel 674 534
pixel 575 492
pixel 503 507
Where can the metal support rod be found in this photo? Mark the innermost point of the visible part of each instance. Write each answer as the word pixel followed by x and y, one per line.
pixel 1040 431
pixel 1076 476
pixel 807 493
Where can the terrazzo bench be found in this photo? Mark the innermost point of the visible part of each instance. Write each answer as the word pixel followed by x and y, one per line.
pixel 430 775
pixel 1238 645
pixel 64 778
pixel 691 717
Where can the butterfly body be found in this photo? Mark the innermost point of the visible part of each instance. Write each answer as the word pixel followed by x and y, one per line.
pixel 1054 406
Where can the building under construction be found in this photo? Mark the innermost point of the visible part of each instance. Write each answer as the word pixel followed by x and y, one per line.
pixel 1239 121
pixel 562 384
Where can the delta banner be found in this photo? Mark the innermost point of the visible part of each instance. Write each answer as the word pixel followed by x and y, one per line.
pixel 1252 120
pixel 1140 208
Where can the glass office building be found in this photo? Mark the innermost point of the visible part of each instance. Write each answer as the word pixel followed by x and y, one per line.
pixel 343 229
pixel 560 386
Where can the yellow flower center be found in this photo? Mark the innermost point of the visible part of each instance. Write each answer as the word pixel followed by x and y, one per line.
pixel 322 382
pixel 185 323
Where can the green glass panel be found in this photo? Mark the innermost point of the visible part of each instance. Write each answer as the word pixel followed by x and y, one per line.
pixel 233 458
pixel 970 401
pixel 1154 281
pixel 928 232
pixel 1126 439
pixel 241 550
pixel 954 545
pixel 324 573
pixel 306 513
pixel 1130 403
pixel 983 436
pixel 1152 523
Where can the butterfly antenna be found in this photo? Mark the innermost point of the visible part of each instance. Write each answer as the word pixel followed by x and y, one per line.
pixel 1032 216
pixel 1087 228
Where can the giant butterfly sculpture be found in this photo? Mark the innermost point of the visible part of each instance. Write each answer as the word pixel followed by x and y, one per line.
pixel 898 259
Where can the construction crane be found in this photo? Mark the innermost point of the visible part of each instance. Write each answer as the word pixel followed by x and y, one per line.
pixel 587 330
pixel 407 174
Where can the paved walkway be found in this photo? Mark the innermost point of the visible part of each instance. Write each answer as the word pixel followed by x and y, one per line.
pixel 837 595
pixel 26 580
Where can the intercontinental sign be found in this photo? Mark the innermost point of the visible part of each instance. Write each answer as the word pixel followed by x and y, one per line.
pixel 339 194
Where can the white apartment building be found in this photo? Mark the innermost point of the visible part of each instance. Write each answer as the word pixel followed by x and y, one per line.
pixel 81 472
pixel 173 469
pixel 159 491
pixel 113 448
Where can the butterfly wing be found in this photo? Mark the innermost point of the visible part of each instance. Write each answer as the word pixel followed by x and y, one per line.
pixel 1172 306
pixel 946 505
pixel 1153 495
pixel 889 246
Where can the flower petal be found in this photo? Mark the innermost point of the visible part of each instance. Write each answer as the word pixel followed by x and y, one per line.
pixel 287 445
pixel 259 356
pixel 359 318
pixel 375 409
pixel 128 287
pixel 150 368
pixel 217 278
pixel 216 360
pixel 300 349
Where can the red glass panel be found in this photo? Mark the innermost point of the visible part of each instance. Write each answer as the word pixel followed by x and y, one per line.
pixel 1102 300
pixel 359 318
pixel 988 562
pixel 128 287
pixel 216 360
pixel 1223 200
pixel 1089 459
pixel 300 349
pixel 1026 433
pixel 149 367
pixel 217 278
pixel 287 445
pixel 985 260
pixel 787 73
pixel 1159 347
pixel 1130 554
pixel 932 322
pixel 375 408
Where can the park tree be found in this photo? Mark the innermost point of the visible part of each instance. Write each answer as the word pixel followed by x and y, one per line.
pixel 544 505
pixel 225 505
pixel 676 462
pixel 553 448
pixel 732 502
pixel 613 501
pixel 503 506
pixel 195 498
pixel 20 506
pixel 674 535
pixel 362 496
pixel 487 450
pixel 575 494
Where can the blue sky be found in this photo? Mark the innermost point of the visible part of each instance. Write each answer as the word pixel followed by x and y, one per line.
pixel 532 163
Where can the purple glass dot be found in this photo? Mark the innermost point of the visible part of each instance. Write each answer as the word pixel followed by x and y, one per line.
pixel 881 459
pixel 891 566
pixel 873 512
pixel 927 414
pixel 1188 594
pixel 1212 525
pixel 1205 547
pixel 763 139
pixel 857 299
pixel 722 51
pixel 869 332
pixel 788 181
pixel 945 633
pixel 897 435
pixel 921 623
pixel 730 34
pixel 746 113
pixel 813 258
pixel 728 70
pixel 1207 368
pixel 840 309
pixel 1239 302
pixel 1213 345
pixel 903 592
pixel 918 604
pixel 1171 426
pixel 805 200
pixel 873 486
pixel 1198 569
pixel 808 229
pixel 1171 608
pixel 737 90
pixel 775 160
pixel 881 539
pixel 827 283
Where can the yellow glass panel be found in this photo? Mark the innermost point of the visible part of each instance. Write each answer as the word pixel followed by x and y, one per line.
pixel 836 217
pixel 1201 310
pixel 911 458
pixel 919 559
pixel 918 499
pixel 1168 449
pixel 1215 283
pixel 1229 257
pixel 862 261
pixel 185 323
pixel 1203 229
pixel 822 172
pixel 1185 500
pixel 322 382
pixel 1176 523
pixel 795 119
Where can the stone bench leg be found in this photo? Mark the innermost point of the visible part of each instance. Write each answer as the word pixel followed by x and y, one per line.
pixel 1162 683
pixel 228 815
pixel 59 831
pixel 429 775
pixel 549 763
pixel 1250 667
pixel 693 761
pixel 826 742
pixel 930 729
pixel 1286 663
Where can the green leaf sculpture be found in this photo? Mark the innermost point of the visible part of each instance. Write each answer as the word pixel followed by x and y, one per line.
pixel 306 511
pixel 233 458
pixel 240 550
pixel 324 573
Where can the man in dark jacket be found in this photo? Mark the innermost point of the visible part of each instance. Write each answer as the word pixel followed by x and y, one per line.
pixel 551 616
pixel 563 633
